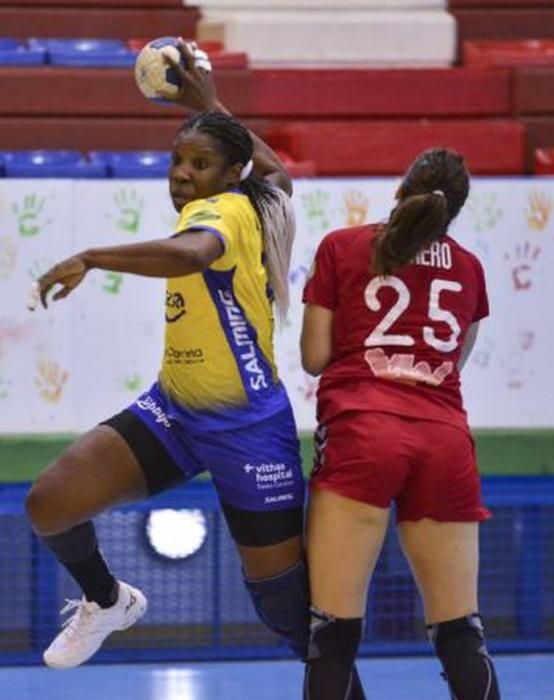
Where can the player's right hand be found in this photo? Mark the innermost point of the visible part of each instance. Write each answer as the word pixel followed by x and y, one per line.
pixel 68 273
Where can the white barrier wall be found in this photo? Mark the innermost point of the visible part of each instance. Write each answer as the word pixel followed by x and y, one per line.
pixel 87 357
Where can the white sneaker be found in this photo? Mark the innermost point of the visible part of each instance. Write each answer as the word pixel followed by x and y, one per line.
pixel 83 633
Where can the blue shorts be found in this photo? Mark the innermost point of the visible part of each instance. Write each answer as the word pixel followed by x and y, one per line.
pixel 253 468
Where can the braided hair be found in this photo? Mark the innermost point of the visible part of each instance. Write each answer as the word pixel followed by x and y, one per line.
pixel 271 204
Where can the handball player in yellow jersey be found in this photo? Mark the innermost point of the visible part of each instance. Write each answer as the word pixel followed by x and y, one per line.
pixel 218 404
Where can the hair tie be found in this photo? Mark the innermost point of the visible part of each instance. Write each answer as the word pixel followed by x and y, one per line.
pixel 439 192
pixel 245 172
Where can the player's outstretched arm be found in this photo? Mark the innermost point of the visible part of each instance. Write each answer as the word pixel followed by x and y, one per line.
pixel 172 257
pixel 198 93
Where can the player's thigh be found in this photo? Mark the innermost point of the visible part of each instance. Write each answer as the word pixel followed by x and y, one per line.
pixel 344 539
pixel 257 473
pixel 97 471
pixel 444 559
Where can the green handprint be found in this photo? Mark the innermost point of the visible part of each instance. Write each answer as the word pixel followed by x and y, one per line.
pixel 484 211
pixel 129 205
pixel 113 282
pixel 27 215
pixel 132 382
pixel 315 205
pixel 4 388
pixel 38 268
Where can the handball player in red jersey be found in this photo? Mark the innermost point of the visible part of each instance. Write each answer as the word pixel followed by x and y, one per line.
pixel 392 313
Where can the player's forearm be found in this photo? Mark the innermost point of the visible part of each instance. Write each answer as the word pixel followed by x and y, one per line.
pixel 166 258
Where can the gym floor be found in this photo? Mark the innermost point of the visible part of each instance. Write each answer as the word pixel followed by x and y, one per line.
pixel 529 677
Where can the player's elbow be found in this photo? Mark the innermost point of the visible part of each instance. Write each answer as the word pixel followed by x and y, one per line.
pixel 314 363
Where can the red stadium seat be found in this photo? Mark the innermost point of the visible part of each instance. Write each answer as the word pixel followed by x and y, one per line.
pixel 295 168
pixel 528 52
pixel 533 90
pixel 544 161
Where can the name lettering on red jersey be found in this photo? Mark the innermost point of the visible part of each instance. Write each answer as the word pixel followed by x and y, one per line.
pixel 438 254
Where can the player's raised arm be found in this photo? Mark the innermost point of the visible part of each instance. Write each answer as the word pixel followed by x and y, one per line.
pixel 198 92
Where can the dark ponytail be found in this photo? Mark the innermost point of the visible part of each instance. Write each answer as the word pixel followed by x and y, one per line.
pixel 432 193
pixel 414 224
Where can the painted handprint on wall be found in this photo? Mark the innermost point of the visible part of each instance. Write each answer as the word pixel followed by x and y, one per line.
pixel 112 282
pixel 29 215
pixel 129 210
pixel 522 262
pixel 356 205
pixel 538 211
pixel 484 210
pixel 50 379
pixel 316 206
pixel 517 365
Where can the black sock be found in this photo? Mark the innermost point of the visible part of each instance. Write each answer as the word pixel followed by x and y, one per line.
pixel 356 689
pixel 77 550
pixel 94 577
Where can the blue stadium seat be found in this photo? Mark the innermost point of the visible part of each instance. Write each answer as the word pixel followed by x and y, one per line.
pixel 42 164
pixel 14 52
pixel 134 164
pixel 86 53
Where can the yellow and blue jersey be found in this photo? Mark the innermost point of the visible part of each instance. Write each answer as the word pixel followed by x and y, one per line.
pixel 218 369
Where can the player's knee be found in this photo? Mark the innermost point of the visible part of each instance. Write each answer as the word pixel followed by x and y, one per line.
pixel 44 514
pixel 461 648
pixel 282 603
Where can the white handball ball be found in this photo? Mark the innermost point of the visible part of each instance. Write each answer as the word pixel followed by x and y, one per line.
pixel 152 73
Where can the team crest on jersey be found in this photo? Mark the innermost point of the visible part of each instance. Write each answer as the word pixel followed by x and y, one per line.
pixel 403 368
pixel 201 217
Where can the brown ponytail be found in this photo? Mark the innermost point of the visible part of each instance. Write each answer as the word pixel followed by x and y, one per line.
pixel 432 193
pixel 414 224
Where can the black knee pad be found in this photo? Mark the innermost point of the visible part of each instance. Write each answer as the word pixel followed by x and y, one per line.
pixel 334 638
pixel 282 603
pixel 469 670
pixel 332 651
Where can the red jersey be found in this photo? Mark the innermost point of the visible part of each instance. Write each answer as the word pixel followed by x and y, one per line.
pixel 397 339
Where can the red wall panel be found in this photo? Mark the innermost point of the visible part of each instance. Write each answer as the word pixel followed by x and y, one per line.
pixel 534 91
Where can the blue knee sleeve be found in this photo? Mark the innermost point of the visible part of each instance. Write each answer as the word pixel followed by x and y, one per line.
pixel 282 603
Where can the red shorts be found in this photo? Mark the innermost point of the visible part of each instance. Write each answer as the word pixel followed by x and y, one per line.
pixel 427 468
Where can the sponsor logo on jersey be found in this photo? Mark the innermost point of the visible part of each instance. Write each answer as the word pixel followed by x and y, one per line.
pixel 148 404
pixel 243 341
pixel 186 356
pixel 403 368
pixel 270 475
pixel 175 306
